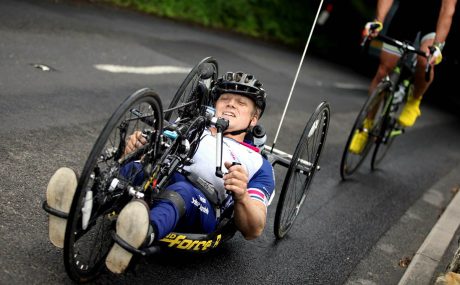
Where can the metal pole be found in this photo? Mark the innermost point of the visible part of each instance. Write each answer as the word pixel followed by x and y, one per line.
pixel 297 74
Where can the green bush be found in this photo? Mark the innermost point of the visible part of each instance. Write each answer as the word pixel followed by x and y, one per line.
pixel 288 22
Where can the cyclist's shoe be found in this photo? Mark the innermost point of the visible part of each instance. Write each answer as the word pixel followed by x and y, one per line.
pixel 132 227
pixel 410 112
pixel 59 195
pixel 359 140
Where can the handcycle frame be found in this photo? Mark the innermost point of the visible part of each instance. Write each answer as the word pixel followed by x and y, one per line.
pixel 383 106
pixel 103 191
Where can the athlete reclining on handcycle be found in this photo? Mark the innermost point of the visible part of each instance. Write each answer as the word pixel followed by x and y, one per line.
pixel 239 98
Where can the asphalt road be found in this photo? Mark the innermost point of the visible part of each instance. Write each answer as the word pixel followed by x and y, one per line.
pixel 51 119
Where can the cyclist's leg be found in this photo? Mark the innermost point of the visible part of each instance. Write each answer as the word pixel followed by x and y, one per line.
pixel 133 227
pixel 388 61
pixel 411 110
pixel 196 215
pixel 420 84
pixel 180 207
pixel 133 172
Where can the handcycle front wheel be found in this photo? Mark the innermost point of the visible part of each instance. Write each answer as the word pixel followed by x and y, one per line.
pixel 99 198
pixel 205 71
pixel 368 123
pixel 302 168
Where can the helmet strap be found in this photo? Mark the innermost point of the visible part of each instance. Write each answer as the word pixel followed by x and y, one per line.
pixel 234 133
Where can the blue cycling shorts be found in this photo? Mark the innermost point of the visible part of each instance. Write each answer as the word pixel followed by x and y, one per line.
pixel 199 214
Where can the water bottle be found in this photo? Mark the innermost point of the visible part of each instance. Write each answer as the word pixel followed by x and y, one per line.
pixel 259 136
pixel 400 92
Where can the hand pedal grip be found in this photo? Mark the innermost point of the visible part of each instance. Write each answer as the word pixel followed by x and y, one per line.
pixel 233 163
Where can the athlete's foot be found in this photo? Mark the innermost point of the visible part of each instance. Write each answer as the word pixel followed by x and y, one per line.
pixel 359 140
pixel 132 227
pixel 59 195
pixel 410 112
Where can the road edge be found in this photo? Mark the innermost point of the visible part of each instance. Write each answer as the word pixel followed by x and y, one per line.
pixel 426 259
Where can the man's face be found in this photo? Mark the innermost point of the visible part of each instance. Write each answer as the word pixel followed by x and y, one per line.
pixel 239 110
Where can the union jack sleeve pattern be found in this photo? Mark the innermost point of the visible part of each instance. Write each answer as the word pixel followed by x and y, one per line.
pixel 258 195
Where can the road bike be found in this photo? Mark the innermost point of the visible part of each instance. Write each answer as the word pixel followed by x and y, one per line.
pixel 378 116
pixel 173 136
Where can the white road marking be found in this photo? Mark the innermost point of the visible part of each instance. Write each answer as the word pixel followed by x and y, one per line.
pixel 161 69
pixel 351 86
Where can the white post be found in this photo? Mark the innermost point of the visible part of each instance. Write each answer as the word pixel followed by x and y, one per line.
pixel 297 73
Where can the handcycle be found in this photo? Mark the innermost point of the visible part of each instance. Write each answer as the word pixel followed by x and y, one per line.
pixel 173 136
pixel 378 116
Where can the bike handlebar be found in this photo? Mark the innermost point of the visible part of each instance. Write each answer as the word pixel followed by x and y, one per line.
pixel 402 45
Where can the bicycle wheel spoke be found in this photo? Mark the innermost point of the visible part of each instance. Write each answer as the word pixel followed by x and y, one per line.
pixel 106 177
pixel 371 114
pixel 297 180
pixel 187 90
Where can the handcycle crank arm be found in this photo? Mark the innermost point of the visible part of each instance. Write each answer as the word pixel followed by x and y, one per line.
pixel 219 146
pixel 221 125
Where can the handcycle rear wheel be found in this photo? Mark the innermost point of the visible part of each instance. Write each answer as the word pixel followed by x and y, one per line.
pixel 301 170
pixel 374 110
pixel 206 71
pixel 98 200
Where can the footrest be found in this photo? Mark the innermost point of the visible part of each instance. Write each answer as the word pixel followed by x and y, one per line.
pixel 133 250
pixel 53 211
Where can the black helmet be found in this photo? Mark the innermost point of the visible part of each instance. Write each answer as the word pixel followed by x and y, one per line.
pixel 242 84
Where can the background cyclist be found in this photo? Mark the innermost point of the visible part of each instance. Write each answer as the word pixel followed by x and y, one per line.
pixel 240 99
pixel 433 19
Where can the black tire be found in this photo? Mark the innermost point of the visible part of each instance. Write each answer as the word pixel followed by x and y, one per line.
pixel 383 142
pixel 374 105
pixel 389 131
pixel 299 175
pixel 85 250
pixel 206 71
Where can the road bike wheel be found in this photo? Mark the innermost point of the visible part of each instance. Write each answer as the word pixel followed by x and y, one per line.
pixel 389 131
pixel 302 168
pixel 98 199
pixel 206 72
pixel 374 107
pixel 384 141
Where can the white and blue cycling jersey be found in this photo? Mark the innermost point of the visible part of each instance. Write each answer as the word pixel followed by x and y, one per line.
pixel 199 213
pixel 261 183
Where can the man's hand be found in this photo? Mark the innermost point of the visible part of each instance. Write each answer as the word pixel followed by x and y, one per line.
pixel 436 55
pixel 236 180
pixel 135 141
pixel 250 215
pixel 372 29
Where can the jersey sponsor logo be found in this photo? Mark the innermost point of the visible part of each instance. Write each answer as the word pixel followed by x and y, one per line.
pixel 200 206
pixel 182 242
pixel 202 199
